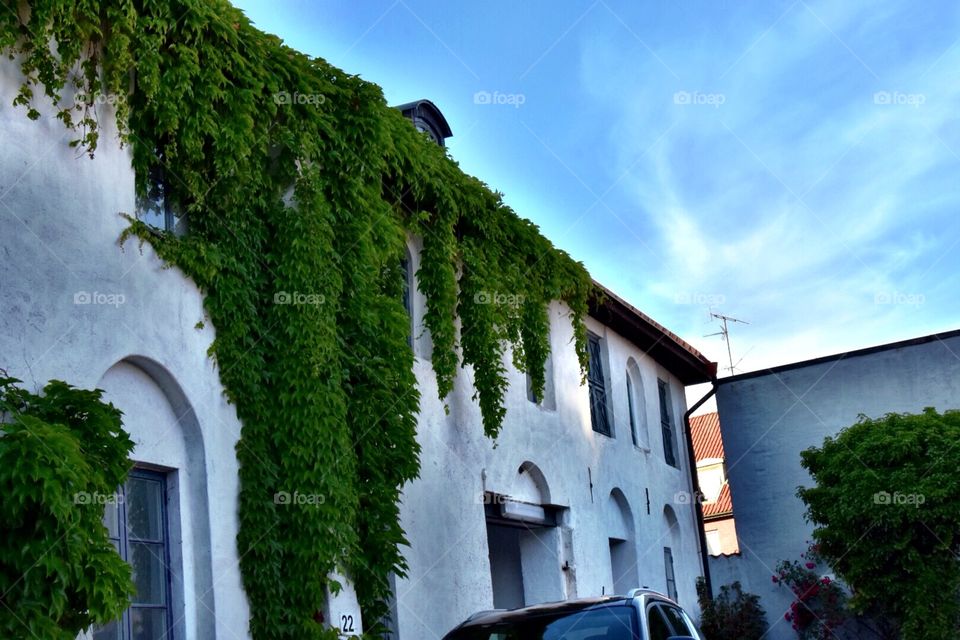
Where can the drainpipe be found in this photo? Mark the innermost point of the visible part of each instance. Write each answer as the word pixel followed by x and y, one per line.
pixel 692 460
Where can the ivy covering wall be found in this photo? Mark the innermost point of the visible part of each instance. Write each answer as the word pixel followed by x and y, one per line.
pixel 300 185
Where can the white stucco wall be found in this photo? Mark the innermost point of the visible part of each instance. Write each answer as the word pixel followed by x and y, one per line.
pixel 80 309
pixel 443 512
pixel 768 420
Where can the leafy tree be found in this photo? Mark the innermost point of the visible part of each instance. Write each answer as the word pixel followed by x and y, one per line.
pixel 732 615
pixel 60 453
pixel 885 510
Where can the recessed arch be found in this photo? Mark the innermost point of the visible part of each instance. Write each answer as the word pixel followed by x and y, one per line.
pixel 537 479
pixel 168 438
pixel 637 405
pixel 622 541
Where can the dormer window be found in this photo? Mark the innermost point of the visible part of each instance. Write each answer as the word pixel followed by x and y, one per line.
pixel 427 119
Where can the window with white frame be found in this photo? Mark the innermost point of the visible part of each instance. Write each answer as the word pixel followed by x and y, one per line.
pixel 137 525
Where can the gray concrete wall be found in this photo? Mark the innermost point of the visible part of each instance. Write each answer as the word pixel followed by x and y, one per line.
pixel 768 420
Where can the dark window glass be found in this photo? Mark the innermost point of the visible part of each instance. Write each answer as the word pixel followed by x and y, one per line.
pixel 156 208
pixel 671 579
pixel 666 425
pixel 657 626
pixel 631 411
pixel 407 294
pixel 596 381
pixel 137 526
pixel 676 619
pixel 618 622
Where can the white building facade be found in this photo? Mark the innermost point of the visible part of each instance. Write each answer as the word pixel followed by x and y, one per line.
pixel 552 510
pixel 769 417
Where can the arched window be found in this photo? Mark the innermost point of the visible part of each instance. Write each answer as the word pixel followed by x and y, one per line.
pixel 637 406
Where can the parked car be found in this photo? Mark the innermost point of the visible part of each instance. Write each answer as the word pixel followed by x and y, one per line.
pixel 639 615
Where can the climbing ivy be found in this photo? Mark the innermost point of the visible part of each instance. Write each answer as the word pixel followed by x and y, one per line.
pixel 300 186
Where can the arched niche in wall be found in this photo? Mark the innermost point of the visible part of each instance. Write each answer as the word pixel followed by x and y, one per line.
pixel 637 406
pixel 168 441
pixel 622 540
pixel 671 541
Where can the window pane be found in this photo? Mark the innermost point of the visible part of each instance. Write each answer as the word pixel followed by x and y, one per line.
pixel 111 519
pixel 148 624
pixel 657 624
pixel 144 515
pixel 110 631
pixel 149 572
pixel 679 624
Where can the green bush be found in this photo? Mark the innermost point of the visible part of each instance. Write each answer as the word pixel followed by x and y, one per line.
pixel 732 615
pixel 60 452
pixel 885 510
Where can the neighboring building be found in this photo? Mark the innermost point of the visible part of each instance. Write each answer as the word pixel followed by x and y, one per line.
pixel 718 524
pixel 770 416
pixel 575 498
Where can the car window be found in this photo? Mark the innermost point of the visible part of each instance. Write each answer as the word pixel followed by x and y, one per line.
pixel 607 623
pixel 677 620
pixel 657 627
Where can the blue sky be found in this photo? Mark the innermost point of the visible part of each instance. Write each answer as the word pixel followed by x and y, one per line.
pixel 792 164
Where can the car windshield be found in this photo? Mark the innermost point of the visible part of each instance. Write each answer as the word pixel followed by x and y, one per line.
pixel 607 623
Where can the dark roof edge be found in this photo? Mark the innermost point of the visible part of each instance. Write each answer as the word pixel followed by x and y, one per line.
pixel 432 112
pixel 910 342
pixel 661 344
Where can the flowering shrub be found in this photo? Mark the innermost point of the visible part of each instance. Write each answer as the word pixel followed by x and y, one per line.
pixel 819 605
pixel 733 615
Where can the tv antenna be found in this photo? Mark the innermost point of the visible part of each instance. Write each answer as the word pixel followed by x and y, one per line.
pixel 725 333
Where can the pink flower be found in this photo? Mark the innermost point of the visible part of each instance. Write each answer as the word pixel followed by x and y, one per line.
pixel 810 565
pixel 774 579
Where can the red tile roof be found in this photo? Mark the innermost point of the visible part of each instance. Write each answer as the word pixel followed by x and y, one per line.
pixel 722 506
pixel 707 442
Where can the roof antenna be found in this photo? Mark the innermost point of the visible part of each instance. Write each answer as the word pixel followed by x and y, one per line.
pixel 725 333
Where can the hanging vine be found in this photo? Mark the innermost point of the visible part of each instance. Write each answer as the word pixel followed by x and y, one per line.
pixel 300 184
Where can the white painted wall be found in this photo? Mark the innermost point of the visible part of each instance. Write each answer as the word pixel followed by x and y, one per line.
pixel 59 224
pixel 768 420
pixel 443 514
pixel 59 215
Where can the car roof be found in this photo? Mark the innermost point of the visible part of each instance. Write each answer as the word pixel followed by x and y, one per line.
pixel 494 616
